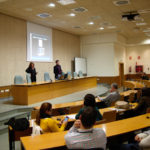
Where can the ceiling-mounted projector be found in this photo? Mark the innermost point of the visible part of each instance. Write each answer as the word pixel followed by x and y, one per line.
pixel 131 17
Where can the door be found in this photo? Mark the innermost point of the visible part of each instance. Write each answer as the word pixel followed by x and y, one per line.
pixel 121 73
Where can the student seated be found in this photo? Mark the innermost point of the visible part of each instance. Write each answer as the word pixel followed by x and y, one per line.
pixel 141 108
pixel 144 102
pixel 89 100
pixel 144 76
pixel 142 142
pixel 112 97
pixel 82 135
pixel 45 121
pixel 143 139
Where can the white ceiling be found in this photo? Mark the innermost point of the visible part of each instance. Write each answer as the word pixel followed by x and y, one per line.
pixel 102 12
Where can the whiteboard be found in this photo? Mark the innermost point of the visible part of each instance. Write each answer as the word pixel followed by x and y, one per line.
pixel 80 65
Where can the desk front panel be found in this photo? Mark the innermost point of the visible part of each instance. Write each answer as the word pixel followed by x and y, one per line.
pixel 33 93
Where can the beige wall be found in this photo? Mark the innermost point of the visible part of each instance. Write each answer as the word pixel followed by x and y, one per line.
pixel 120 56
pixel 13 50
pixel 134 52
pixel 104 52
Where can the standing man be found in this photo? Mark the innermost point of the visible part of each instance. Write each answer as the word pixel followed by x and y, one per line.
pixel 57 70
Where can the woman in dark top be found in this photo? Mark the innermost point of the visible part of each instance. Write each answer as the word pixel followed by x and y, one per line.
pixel 144 102
pixel 141 108
pixel 89 100
pixel 144 76
pixel 31 70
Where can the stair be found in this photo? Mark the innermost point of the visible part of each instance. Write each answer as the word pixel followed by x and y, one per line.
pixel 16 113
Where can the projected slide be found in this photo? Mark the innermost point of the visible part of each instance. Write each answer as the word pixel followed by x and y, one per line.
pixel 39 45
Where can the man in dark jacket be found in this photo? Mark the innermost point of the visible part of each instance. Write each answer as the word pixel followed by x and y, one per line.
pixel 57 70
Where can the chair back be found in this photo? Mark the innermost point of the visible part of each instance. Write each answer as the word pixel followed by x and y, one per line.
pixel 110 116
pixel 69 75
pixel 100 122
pixel 28 78
pixel 47 77
pixel 121 97
pixel 139 94
pixel 18 80
pixel 148 110
pixel 113 103
pixel 75 75
pixel 131 97
pixel 74 109
pixel 80 74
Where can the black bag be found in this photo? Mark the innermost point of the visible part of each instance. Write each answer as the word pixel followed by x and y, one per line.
pixel 18 124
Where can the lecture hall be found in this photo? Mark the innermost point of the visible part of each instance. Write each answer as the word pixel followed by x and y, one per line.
pixel 74 74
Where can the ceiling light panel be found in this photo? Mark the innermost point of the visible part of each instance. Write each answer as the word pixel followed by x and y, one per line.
pixel 144 11
pixel 66 2
pixel 146 30
pixel 111 27
pixel 72 14
pixel 141 23
pixel 91 23
pixel 51 5
pixel 101 28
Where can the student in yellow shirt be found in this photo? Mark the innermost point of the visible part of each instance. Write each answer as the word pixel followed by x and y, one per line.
pixel 45 121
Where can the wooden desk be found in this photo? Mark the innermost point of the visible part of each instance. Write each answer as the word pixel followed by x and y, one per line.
pixel 133 105
pixel 146 83
pixel 133 84
pixel 54 140
pixel 127 93
pixel 26 94
pixel 79 103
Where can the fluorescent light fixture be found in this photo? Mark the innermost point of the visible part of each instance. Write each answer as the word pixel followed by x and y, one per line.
pixel 146 41
pixel 111 27
pixel 146 30
pixel 141 23
pixel 66 2
pixel 72 14
pixel 148 34
pixel 51 5
pixel 101 28
pixel 91 23
pixel 144 11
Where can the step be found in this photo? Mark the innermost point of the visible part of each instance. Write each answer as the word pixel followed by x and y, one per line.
pixel 15 110
pixel 3 129
pixel 16 115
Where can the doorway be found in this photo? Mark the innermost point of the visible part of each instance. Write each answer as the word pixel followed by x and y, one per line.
pixel 121 73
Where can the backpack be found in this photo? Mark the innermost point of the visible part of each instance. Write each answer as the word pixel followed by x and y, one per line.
pixel 18 124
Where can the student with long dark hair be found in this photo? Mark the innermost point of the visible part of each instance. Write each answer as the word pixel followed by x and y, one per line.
pixel 45 121
pixel 32 71
pixel 89 100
